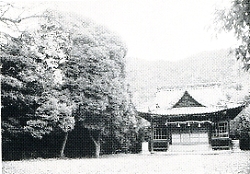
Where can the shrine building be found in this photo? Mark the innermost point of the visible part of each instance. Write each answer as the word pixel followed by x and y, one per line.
pixel 191 116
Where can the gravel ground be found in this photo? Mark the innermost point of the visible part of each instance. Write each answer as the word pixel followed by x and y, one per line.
pixel 227 162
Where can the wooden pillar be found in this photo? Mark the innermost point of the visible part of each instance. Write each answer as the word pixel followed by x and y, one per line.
pixel 228 126
pixel 169 129
pixel 152 136
pixel 210 128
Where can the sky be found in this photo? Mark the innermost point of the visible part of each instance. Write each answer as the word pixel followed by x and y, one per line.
pixel 153 29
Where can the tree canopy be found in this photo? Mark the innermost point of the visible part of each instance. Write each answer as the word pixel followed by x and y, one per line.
pixel 62 71
pixel 236 19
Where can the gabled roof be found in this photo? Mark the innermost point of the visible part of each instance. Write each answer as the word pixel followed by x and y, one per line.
pixel 187 101
pixel 194 113
pixel 199 97
pixel 191 101
pixel 193 110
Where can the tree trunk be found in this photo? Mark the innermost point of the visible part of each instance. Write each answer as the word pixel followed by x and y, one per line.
pixel 64 144
pixel 97 148
pixel 97 144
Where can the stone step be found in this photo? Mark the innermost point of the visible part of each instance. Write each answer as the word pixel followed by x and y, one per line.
pixel 189 148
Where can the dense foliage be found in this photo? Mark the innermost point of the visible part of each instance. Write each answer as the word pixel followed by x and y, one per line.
pixel 62 72
pixel 236 19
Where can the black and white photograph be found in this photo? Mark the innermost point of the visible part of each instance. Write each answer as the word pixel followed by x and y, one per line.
pixel 125 86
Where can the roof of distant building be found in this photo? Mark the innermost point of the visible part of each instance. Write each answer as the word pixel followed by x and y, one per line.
pixel 191 100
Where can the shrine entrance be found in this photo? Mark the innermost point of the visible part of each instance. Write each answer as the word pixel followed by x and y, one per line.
pixel 189 134
pixel 190 138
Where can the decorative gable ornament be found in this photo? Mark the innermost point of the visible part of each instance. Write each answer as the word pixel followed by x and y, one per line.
pixel 187 101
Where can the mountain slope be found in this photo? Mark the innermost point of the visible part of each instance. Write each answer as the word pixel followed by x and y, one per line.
pixel 145 77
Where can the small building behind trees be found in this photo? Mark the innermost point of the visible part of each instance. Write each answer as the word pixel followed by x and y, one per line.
pixel 191 115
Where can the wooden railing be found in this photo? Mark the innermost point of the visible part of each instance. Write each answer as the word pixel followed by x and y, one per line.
pixel 159 144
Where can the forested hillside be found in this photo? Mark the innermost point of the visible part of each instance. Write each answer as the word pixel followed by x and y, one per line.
pixel 212 66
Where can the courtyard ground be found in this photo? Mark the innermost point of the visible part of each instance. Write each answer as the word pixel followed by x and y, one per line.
pixel 221 162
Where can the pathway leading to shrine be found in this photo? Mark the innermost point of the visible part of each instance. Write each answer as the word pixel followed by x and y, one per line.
pixel 218 162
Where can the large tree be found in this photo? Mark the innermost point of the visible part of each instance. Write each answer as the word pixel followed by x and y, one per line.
pixel 236 19
pixel 32 99
pixel 82 76
pixel 94 73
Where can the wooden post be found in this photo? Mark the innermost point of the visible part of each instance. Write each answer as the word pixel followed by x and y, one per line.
pixel 228 126
pixel 170 134
pixel 152 136
pixel 210 128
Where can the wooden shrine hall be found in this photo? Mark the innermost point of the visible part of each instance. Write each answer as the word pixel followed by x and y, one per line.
pixel 188 117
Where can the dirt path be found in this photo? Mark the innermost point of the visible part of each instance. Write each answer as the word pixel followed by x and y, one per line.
pixel 228 163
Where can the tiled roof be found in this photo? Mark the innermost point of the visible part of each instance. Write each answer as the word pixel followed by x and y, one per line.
pixel 207 97
pixel 192 110
pixel 213 100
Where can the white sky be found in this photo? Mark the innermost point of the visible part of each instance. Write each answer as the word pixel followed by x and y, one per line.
pixel 154 29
